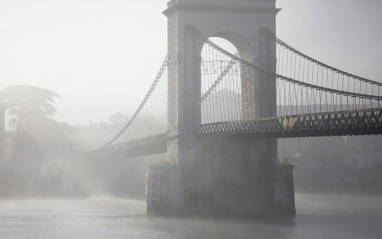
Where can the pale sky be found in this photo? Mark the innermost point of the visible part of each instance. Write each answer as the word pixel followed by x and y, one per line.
pixel 101 56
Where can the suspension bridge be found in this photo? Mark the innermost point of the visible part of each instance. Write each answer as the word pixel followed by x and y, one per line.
pixel 313 99
pixel 217 112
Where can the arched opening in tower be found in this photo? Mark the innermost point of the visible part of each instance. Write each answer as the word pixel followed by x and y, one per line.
pixel 221 86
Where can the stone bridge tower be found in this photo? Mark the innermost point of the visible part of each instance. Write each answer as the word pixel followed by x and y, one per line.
pixel 218 175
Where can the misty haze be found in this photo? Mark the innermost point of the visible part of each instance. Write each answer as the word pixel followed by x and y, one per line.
pixel 190 119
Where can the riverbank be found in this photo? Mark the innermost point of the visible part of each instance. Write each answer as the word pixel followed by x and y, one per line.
pixel 338 181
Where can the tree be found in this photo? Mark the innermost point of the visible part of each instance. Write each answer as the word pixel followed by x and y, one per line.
pixel 31 108
pixel 26 102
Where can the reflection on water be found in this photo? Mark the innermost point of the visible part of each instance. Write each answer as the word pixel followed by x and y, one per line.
pixel 317 217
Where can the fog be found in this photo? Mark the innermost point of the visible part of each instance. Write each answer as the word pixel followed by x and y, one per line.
pixel 112 218
pixel 99 58
pixel 93 53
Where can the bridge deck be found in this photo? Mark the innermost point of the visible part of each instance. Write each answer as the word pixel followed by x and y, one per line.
pixel 367 122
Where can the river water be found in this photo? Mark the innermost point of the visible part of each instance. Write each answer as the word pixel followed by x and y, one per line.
pixel 321 217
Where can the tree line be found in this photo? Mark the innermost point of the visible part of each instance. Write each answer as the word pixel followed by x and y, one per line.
pixel 34 131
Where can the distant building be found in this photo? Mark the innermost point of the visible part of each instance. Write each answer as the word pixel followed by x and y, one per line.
pixel 225 99
pixel 95 135
pixel 313 152
pixel 364 151
pixel 118 118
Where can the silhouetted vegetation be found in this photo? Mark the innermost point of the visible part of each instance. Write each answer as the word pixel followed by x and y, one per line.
pixel 30 108
pixel 30 170
pixel 26 102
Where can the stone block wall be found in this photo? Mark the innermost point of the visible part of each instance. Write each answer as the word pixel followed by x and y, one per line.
pixel 230 178
pixel 165 190
pixel 283 186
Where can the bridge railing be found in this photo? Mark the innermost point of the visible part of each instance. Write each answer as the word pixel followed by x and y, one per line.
pixel 357 122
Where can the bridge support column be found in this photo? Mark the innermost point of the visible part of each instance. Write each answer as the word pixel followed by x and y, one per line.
pixel 283 188
pixel 233 176
pixel 218 175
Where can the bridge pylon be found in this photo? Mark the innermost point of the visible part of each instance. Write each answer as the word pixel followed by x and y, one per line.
pixel 220 174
